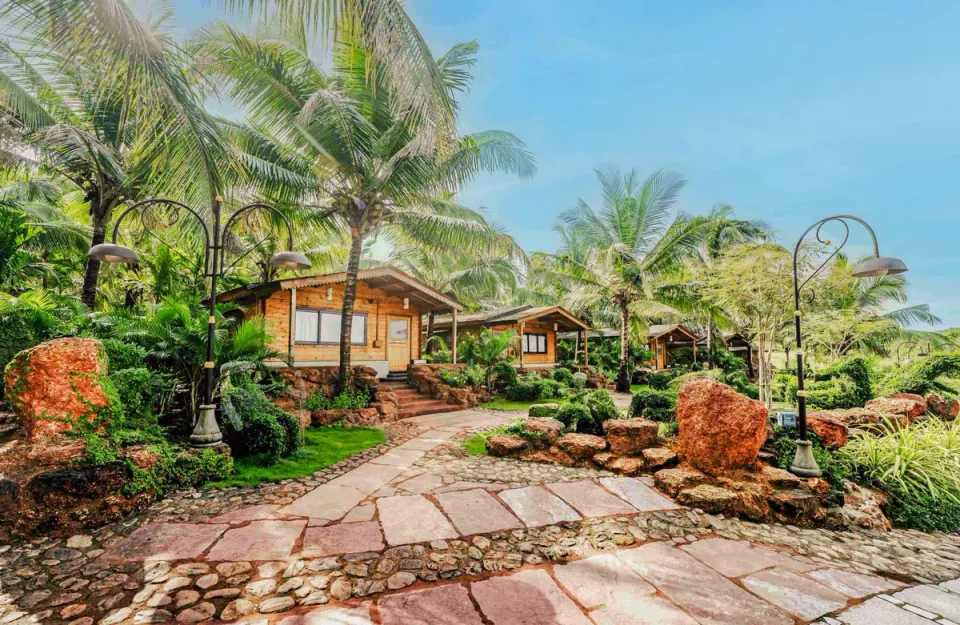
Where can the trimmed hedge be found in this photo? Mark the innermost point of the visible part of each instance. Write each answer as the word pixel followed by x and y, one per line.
pixel 563 376
pixel 543 410
pixel 654 405
pixel 263 428
pixel 920 376
pixel 571 415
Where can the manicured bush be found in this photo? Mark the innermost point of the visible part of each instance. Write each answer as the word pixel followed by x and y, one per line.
pixel 543 410
pixel 452 377
pixel 579 380
pixel 123 355
pixel 844 384
pixel 659 380
pixel 570 415
pixel 920 376
pixel 145 394
pixel 550 389
pixel 523 390
pixel 564 376
pixel 653 405
pixel 602 407
pixel 256 426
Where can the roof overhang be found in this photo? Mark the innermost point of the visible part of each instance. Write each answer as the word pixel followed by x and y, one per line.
pixel 564 319
pixel 387 279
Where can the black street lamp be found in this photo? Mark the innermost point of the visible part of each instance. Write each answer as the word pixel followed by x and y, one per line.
pixel 910 345
pixel 804 464
pixel 206 433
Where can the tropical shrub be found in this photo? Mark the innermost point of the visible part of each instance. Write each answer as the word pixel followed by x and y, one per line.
pixel 601 406
pixel 543 410
pixel 436 350
pixel 523 390
pixel 668 429
pixel 505 373
pixel 563 376
pixel 475 375
pixel 487 350
pixel 317 401
pixel 23 326
pixel 144 394
pixel 571 415
pixel 654 405
pixel 123 355
pixel 579 380
pixel 659 380
pixel 917 466
pixel 920 376
pixel 452 377
pixel 352 399
pixel 253 425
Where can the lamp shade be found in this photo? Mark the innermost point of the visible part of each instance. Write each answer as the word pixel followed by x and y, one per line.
pixel 112 253
pixel 290 260
pixel 878 266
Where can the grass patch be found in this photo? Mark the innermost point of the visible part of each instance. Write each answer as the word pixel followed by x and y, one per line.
pixel 639 387
pixel 322 446
pixel 476 445
pixel 502 403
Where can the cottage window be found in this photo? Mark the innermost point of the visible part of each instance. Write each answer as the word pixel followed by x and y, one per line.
pixel 534 343
pixel 323 327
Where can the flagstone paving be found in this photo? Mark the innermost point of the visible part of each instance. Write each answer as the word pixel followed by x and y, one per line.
pixel 418 533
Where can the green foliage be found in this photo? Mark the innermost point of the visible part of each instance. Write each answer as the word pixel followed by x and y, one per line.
pixel 601 406
pixel 144 394
pixel 254 425
pixel 570 415
pixel 920 376
pixel 844 384
pixel 532 386
pixel 926 514
pixel 452 377
pixel 517 428
pixel 835 467
pixel 490 351
pixel 543 410
pixel 435 350
pixel 563 376
pixel 668 429
pixel 654 405
pixel 353 399
pixel 579 380
pixel 22 327
pixel 475 374
pixel 123 355
pixel 178 468
pixel 505 373
pixel 659 380
pixel 317 401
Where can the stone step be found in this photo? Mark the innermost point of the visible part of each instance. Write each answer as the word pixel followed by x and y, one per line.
pixel 419 408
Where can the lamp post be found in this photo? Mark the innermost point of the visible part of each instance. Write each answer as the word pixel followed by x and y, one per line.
pixel 804 464
pixel 206 433
pixel 910 345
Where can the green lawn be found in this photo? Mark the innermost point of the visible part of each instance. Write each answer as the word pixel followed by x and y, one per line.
pixel 502 403
pixel 322 447
pixel 476 445
pixel 639 387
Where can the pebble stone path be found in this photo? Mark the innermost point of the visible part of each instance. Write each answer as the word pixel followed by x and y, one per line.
pixel 416 533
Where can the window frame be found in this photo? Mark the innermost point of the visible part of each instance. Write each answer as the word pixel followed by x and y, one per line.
pixel 332 311
pixel 546 343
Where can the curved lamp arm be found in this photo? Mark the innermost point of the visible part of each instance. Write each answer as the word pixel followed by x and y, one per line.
pixel 846 236
pixel 248 209
pixel 145 204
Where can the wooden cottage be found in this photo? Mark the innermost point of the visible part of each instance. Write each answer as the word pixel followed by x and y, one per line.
pixel 536 329
pixel 666 339
pixel 386 323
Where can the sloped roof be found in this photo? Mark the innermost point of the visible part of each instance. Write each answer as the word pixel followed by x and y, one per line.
pixel 510 314
pixel 388 279
pixel 659 330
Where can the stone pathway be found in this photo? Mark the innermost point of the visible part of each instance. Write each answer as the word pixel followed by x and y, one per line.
pixel 417 532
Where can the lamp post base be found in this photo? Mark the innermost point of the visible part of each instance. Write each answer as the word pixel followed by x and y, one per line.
pixel 804 464
pixel 207 433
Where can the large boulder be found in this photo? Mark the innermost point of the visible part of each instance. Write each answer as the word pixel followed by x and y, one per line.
pixel 946 409
pixel 672 481
pixel 830 429
pixel 549 430
pixel 53 383
pixel 506 445
pixel 720 429
pixel 629 437
pixel 582 446
pixel 907 405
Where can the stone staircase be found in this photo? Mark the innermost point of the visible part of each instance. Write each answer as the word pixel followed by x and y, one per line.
pixel 410 402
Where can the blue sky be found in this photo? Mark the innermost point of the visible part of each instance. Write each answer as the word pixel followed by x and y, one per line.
pixel 789 111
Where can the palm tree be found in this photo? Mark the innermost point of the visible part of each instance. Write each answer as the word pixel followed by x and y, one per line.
pixel 615 263
pixel 474 280
pixel 105 102
pixel 725 231
pixel 336 142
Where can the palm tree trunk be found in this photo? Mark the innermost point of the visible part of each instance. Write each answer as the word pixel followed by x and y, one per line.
pixel 346 318
pixel 430 319
pixel 623 375
pixel 91 275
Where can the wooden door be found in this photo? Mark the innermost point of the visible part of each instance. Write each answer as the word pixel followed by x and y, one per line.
pixel 398 342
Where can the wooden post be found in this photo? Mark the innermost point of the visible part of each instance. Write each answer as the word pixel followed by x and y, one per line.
pixel 453 336
pixel 694 351
pixel 586 348
pixel 291 348
pixel 576 349
pixel 521 344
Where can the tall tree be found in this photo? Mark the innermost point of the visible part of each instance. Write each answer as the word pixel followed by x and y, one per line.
pixel 336 141
pixel 615 262
pixel 107 102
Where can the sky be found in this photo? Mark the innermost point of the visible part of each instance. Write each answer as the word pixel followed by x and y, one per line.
pixel 789 111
